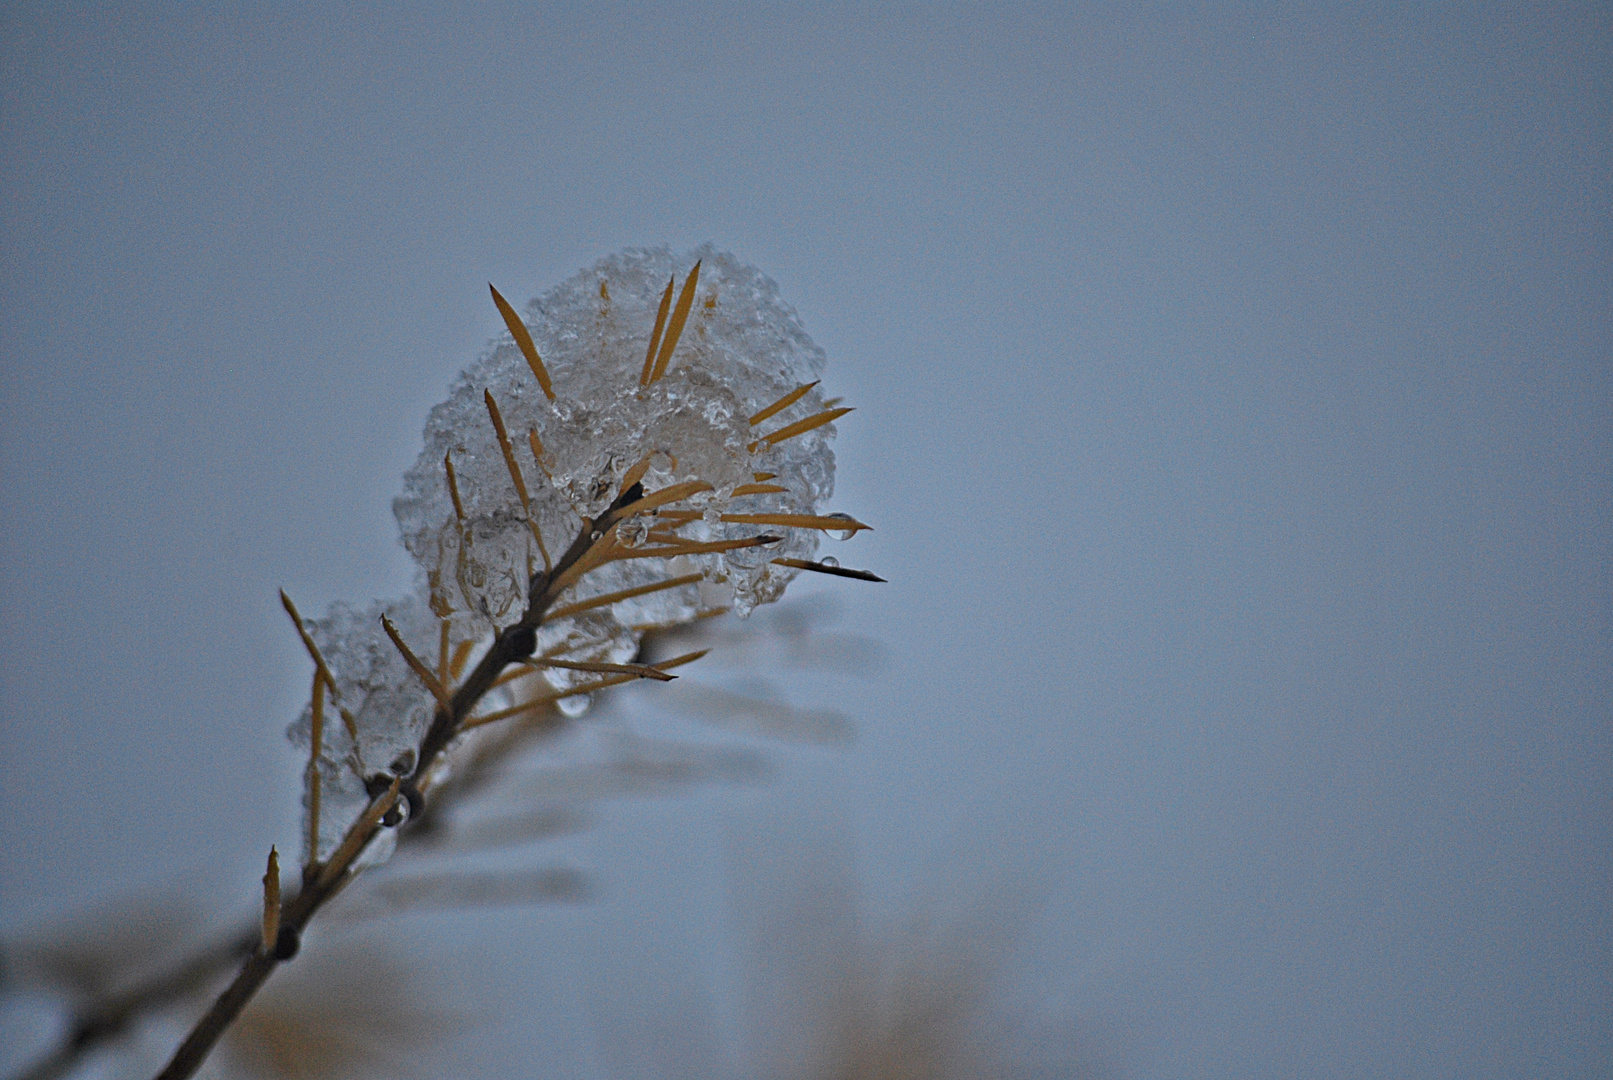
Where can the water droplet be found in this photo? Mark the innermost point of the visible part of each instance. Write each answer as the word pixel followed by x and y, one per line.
pixel 378 850
pixel 575 705
pixel 842 534
pixel 633 532
pixel 829 561
pixel 770 542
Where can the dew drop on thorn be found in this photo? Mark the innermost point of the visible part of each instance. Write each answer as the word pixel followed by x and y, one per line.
pixel 633 532
pixel 842 534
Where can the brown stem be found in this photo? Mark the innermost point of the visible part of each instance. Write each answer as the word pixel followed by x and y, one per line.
pixel 262 962
pixel 513 643
pixel 194 1050
pixel 98 1021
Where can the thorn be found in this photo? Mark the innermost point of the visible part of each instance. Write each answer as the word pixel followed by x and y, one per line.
pixel 799 521
pixel 271 902
pixel 515 473
pixel 623 594
pixel 316 746
pixel 420 670
pixel 308 643
pixel 523 339
pixel 453 486
pixel 680 315
pixel 822 568
pixel 784 402
pixel 655 335
pixel 801 427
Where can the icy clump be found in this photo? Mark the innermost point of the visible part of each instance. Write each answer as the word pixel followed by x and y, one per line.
pixel 387 704
pixel 741 350
pixel 477 542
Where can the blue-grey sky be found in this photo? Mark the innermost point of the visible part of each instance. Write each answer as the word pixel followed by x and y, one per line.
pixel 1234 417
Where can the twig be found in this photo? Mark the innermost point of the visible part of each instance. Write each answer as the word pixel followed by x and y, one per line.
pixel 510 645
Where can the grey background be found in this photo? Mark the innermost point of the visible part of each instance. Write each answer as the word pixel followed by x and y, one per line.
pixel 1234 415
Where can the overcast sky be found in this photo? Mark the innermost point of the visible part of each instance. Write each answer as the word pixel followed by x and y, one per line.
pixel 1233 396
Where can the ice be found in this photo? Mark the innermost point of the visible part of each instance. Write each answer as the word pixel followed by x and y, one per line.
pixel 390 708
pixel 741 350
pixel 477 542
pixel 842 534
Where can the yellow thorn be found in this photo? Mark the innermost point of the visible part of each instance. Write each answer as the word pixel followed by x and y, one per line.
pixel 602 551
pixel 672 493
pixel 271 902
pixel 515 472
pixel 308 643
pixel 650 628
pixel 523 339
pixel 760 476
pixel 666 536
pixel 461 654
pixel 635 474
pixel 509 453
pixel 697 548
pixel 622 594
pixel 758 489
pixel 799 521
pixel 442 653
pixel 421 670
pixel 359 833
pixel 453 486
pixel 523 668
pixel 582 688
pixel 784 402
pixel 316 746
pixel 802 426
pixel 536 444
pixel 313 824
pixel 640 671
pixel 674 330
pixel 513 672
pixel 350 724
pixel 655 335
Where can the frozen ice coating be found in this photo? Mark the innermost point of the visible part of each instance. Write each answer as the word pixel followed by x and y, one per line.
pixel 723 402
pixel 741 350
pixel 384 700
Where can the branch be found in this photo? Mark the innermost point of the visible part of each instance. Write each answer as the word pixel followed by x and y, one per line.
pixel 510 645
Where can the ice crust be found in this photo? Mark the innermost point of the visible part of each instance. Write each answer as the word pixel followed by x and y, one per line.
pixel 742 349
pixel 389 706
